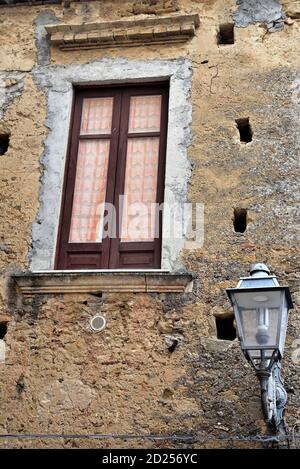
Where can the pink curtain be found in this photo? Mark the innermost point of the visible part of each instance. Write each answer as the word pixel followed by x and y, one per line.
pixel 90 191
pixel 91 172
pixel 96 116
pixel 138 220
pixel 144 114
pixel 138 215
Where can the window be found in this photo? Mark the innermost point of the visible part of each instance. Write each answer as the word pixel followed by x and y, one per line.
pixel 114 179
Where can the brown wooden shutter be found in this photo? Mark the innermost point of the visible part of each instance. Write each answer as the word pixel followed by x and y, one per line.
pixel 139 254
pixel 113 152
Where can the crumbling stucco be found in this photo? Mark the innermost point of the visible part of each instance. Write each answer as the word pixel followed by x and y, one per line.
pixel 258 11
pixel 155 7
pixel 292 9
pixel 41 40
pixel 11 87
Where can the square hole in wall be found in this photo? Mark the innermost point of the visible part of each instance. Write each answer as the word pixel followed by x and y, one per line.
pixel 4 143
pixel 225 328
pixel 239 219
pixel 3 329
pixel 244 129
pixel 226 34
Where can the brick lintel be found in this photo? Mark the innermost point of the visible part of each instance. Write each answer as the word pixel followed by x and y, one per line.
pixel 130 32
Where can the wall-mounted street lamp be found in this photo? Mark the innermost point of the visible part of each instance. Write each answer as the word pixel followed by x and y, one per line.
pixel 261 308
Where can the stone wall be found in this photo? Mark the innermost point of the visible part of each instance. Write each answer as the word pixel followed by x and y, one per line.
pixel 158 368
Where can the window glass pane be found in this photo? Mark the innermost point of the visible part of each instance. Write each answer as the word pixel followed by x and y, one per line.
pixel 90 190
pixel 144 114
pixel 96 116
pixel 138 220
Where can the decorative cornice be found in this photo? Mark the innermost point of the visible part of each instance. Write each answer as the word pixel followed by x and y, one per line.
pixel 130 32
pixel 60 282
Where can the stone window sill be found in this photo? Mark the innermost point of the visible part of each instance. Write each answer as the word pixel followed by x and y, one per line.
pixel 25 3
pixel 60 282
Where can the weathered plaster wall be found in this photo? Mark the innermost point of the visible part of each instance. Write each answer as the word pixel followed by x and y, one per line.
pixel 60 377
pixel 20 171
pixel 43 52
pixel 257 11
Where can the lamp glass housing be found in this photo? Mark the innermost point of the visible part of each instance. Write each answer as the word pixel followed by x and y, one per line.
pixel 261 313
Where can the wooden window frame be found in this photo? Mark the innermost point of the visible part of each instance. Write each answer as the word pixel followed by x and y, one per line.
pixel 111 253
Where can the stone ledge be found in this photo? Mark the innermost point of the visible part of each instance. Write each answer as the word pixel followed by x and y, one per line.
pixel 58 282
pixel 125 33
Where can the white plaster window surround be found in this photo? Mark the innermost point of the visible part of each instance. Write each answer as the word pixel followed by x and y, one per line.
pixel 58 82
pixel 97 281
pixel 2 351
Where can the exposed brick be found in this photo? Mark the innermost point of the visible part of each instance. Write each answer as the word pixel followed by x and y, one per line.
pixel 80 37
pixel 120 34
pixel 188 29
pixel 106 36
pixel 173 30
pixel 93 36
pixel 160 31
pixel 155 7
pixel 57 38
pixel 68 37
